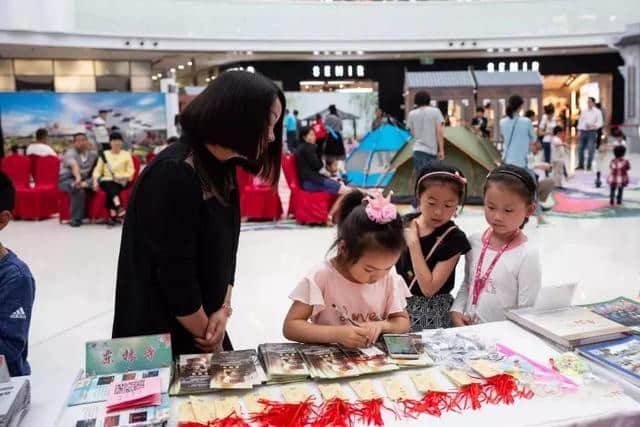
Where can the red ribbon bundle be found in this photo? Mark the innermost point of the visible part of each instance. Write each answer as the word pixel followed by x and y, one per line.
pixel 336 412
pixel 284 414
pixel 191 424
pixel 432 403
pixel 233 420
pixel 370 411
pixel 472 395
pixel 503 388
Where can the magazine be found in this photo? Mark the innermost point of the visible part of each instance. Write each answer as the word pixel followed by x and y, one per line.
pixel 621 355
pixel 620 310
pixel 193 373
pixel 327 362
pixel 15 399
pixel 283 362
pixel 235 370
pixel 95 389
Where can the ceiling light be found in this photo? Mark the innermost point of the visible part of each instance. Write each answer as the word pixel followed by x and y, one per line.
pixel 315 52
pixel 173 70
pixel 535 49
pixel 159 75
pixel 190 63
pixel 207 79
pixel 312 82
pixel 490 50
pixel 338 52
pixel 251 69
pixel 500 49
pixel 180 67
pixel 154 78
pixel 514 49
pixel 249 52
pixel 326 52
pixel 360 52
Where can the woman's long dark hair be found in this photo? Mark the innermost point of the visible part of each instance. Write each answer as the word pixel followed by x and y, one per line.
pixel 234 112
pixel 513 105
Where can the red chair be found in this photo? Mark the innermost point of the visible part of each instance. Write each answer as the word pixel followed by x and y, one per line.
pixel 257 200
pixel 40 201
pixel 97 206
pixel 306 206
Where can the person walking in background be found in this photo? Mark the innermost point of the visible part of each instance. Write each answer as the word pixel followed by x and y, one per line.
pixel 41 147
pixel 560 156
pixel 588 124
pixel 546 130
pixel 619 174
pixel 426 126
pixel 100 131
pixel 112 174
pixel 517 133
pixel 616 137
pixel 75 175
pixel 334 145
pixel 291 124
pixel 479 123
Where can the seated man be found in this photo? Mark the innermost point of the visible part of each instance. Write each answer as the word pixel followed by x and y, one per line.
pixel 41 147
pixel 75 175
pixel 17 291
pixel 479 123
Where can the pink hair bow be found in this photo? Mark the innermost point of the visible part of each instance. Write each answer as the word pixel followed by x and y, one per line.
pixel 380 209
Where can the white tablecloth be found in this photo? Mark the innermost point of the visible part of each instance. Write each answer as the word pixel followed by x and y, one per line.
pixel 606 410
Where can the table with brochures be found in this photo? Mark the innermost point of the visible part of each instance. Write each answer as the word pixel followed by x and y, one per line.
pixel 614 402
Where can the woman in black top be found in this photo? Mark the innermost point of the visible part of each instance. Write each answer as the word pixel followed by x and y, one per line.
pixel 180 237
pixel 434 246
pixel 310 167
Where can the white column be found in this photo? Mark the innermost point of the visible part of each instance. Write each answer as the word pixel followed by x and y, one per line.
pixel 170 89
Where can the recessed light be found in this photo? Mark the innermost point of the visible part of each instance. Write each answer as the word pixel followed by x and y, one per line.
pixel 154 77
pixel 360 52
pixel 173 70
pixel 249 52
pixel 315 52
pixel 180 67
pixel 190 63
pixel 490 50
pixel 159 75
pixel 207 79
pixel 514 49
pixel 535 49
pixel 338 52
pixel 326 52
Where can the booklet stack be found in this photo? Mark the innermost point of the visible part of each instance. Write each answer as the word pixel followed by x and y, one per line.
pixel 283 363
pixel 620 310
pixel 202 373
pixel 125 383
pixel 15 398
pixel 569 327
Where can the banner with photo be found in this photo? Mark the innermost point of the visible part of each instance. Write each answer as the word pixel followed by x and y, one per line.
pixel 139 117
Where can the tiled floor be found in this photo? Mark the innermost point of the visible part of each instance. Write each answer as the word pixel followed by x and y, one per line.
pixel 75 272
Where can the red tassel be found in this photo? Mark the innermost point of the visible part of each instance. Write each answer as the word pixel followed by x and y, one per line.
pixel 336 412
pixel 471 395
pixel 191 424
pixel 233 420
pixel 278 414
pixel 503 388
pixel 370 412
pixel 432 403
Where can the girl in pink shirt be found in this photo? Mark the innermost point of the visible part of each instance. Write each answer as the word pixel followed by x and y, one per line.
pixel 355 296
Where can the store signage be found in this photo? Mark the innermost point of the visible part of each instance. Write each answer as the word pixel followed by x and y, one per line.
pixel 337 70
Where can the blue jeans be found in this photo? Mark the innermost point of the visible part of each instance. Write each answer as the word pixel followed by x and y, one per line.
pixel 420 161
pixel 587 141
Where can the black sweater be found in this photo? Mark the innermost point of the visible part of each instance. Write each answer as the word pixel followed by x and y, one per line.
pixel 309 164
pixel 178 250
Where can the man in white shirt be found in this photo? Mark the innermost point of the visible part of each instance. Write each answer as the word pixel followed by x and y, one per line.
pixel 100 131
pixel 426 126
pixel 590 121
pixel 41 147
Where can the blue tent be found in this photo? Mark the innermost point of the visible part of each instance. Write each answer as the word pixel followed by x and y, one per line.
pixel 367 164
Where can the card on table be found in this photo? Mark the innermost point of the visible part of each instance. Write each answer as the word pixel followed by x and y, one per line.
pixel 459 377
pixel 396 389
pixel 227 406
pixel 135 393
pixel 425 382
pixel 364 389
pixel 251 400
pixel 332 391
pixel 485 368
pixel 203 409
pixel 296 393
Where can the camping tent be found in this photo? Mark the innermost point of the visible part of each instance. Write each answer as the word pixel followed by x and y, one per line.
pixel 367 163
pixel 468 152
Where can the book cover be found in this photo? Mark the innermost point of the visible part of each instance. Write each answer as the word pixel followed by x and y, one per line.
pixel 620 310
pixel 570 323
pixel 193 373
pixel 283 360
pixel 234 370
pixel 370 364
pixel 327 362
pixel 128 354
pixel 622 355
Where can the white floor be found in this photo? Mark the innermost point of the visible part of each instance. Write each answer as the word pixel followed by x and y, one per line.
pixel 75 278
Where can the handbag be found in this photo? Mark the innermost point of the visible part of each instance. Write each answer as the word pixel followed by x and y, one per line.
pixel 122 181
pixel 513 128
pixel 439 240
